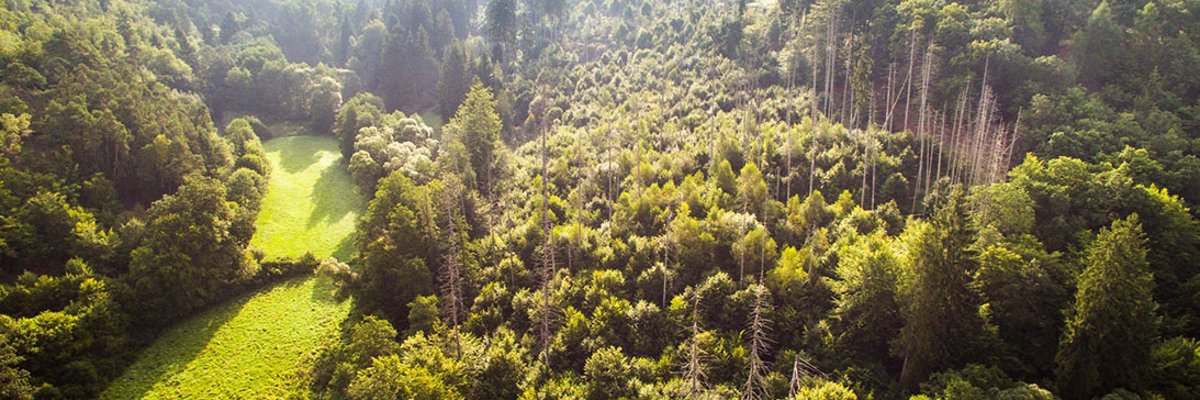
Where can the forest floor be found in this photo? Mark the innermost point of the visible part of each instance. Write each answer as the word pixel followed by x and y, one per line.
pixel 260 345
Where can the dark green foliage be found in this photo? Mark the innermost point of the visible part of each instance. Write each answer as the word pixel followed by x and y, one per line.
pixel 694 154
pixel 867 310
pixel 336 365
pixel 363 110
pixel 409 72
pixel 1114 310
pixel 397 249
pixel 188 253
pixel 455 80
pixel 1176 368
pixel 501 17
pixel 14 381
pixel 942 325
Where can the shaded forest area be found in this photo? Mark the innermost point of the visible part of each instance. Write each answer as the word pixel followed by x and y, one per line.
pixel 627 198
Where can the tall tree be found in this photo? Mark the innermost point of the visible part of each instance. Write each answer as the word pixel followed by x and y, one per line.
pixel 501 27
pixel 188 255
pixel 479 125
pixel 758 344
pixel 394 236
pixel 456 79
pixel 942 324
pixel 1113 324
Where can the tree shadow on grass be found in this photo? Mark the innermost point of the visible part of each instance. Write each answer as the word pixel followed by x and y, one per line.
pixel 346 249
pixel 324 290
pixel 295 152
pixel 171 353
pixel 333 197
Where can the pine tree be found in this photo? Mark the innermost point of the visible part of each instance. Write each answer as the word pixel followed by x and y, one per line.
pixel 1107 341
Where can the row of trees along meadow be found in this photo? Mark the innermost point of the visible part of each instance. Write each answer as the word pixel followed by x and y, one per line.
pixel 629 199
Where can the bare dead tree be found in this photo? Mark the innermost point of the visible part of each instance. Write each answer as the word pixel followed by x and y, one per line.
pixel 693 370
pixel 802 368
pixel 926 75
pixel 451 276
pixel 912 57
pixel 759 344
pixel 547 269
pixel 847 95
pixel 830 59
pixel 812 157
pixel 941 143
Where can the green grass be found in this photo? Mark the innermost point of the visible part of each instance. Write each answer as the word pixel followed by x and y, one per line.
pixel 258 346
pixel 310 204
pixel 433 119
pixel 254 347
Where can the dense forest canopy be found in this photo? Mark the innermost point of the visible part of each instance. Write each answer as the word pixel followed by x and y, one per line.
pixel 829 199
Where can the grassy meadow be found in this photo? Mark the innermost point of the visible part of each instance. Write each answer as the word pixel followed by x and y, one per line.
pixel 310 203
pixel 257 346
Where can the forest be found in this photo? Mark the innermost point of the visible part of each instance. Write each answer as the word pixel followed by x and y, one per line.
pixel 600 199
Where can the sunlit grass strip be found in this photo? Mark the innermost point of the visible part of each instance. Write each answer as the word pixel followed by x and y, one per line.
pixel 258 345
pixel 255 347
pixel 310 203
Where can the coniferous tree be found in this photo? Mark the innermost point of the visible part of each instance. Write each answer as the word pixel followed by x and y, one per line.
pixel 345 39
pixel 1113 323
pixel 942 325
pixel 501 27
pixel 479 126
pixel 456 79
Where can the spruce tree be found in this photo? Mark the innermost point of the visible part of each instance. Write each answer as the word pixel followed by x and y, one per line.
pixel 1110 330
pixel 479 124
pixel 943 328
pixel 456 79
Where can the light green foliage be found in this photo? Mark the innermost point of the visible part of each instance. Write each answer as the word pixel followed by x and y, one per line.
pixel 820 389
pixel 423 315
pixel 977 382
pixel 15 129
pixel 805 217
pixel 477 126
pixel 1004 206
pixel 755 253
pixel 866 309
pixel 607 372
pixel 310 204
pixel 394 143
pixel 258 345
pixel 752 190
pixel 692 154
pixel 388 377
